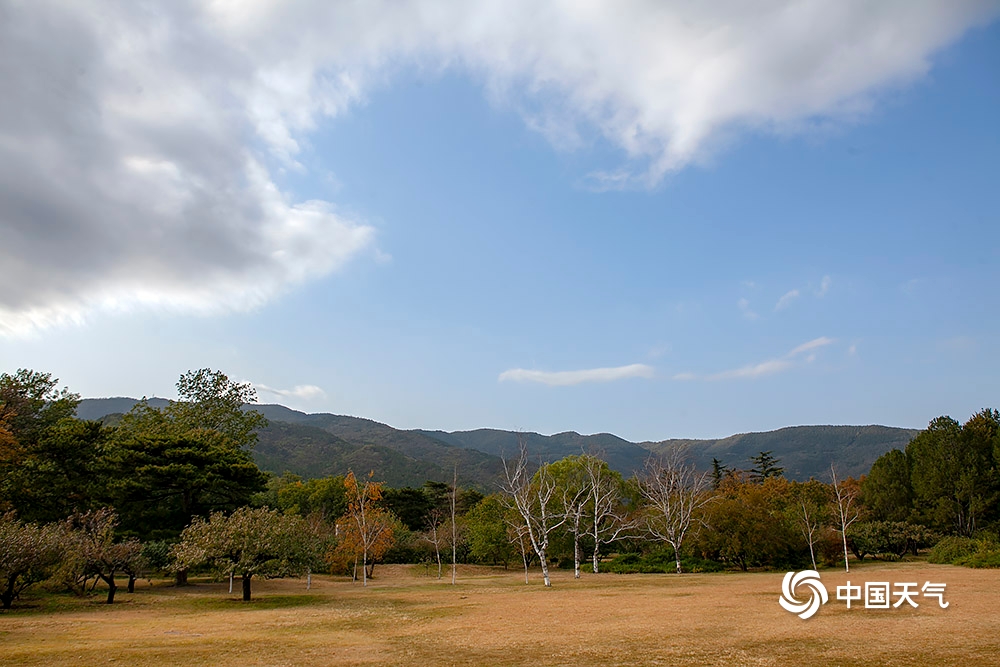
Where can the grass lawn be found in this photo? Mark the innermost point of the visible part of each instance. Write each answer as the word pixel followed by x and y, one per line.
pixel 492 618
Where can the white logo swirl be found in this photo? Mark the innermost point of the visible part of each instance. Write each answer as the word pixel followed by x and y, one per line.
pixel 818 595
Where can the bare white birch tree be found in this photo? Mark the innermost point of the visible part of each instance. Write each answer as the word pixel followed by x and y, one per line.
pixel 434 520
pixel 811 512
pixel 532 497
pixel 847 512
pixel 572 482
pixel 454 528
pixel 608 520
pixel 674 491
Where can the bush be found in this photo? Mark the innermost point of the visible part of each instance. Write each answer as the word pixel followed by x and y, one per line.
pixel 980 552
pixel 950 549
pixel 981 559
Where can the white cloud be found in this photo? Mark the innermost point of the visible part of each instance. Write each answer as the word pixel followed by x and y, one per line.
pixel 786 299
pixel 744 305
pixel 302 391
pixel 815 343
pixel 566 378
pixel 768 367
pixel 142 173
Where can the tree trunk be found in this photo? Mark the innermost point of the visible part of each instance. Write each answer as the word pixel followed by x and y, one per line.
pixel 246 586
pixel 847 566
pixel 576 556
pixel 181 578
pixel 524 557
pixel 112 587
pixel 364 568
pixel 545 567
pixel 131 583
pixel 677 559
pixel 7 596
pixel 597 559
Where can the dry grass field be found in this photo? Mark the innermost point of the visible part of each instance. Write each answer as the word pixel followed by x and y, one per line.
pixel 492 618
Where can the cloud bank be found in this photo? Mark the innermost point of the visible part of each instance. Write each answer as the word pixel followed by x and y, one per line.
pixel 139 142
pixel 567 378
pixel 767 367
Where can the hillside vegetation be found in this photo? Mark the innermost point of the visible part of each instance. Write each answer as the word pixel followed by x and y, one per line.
pixel 317 445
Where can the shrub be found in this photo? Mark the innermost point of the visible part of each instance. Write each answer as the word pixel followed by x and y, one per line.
pixel 950 549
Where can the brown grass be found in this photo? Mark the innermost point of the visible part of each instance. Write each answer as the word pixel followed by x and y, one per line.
pixel 493 618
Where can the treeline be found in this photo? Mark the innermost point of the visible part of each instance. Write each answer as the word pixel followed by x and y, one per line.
pixel 176 490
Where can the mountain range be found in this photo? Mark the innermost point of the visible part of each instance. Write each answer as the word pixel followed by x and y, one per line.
pixel 316 445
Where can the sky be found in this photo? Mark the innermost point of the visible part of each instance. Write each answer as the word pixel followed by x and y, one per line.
pixel 654 219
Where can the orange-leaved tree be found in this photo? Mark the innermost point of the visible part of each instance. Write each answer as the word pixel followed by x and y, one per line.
pixel 366 531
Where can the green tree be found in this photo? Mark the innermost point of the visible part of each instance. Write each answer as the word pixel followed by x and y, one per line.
pixel 323 497
pixel 189 458
pixel 952 472
pixel 765 466
pixel 886 491
pixel 167 479
pixel 30 404
pixel 249 542
pixel 38 470
pixel 719 472
pixel 207 400
pixel 61 472
pixel 487 527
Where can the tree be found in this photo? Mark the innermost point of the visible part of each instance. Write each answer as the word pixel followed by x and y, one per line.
pixel 953 473
pixel 249 542
pixel 532 498
pixel 846 493
pixel 62 471
pixel 367 527
pixel 166 479
pixel 100 555
pixel 487 528
pixel 609 517
pixel 765 466
pixel 719 472
pixel 674 491
pixel 207 400
pixel 30 404
pixel 811 512
pixel 886 490
pixel 454 527
pixel 573 482
pixel 41 464
pixel 752 524
pixel 28 554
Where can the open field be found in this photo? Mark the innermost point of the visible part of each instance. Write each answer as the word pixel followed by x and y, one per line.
pixel 492 618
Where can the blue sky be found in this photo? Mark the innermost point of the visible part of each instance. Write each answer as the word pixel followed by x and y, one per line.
pixel 495 247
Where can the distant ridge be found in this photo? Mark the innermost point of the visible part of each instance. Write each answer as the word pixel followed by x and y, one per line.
pixel 315 445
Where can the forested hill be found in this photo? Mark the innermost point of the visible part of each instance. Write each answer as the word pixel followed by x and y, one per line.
pixel 315 445
pixel 804 451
